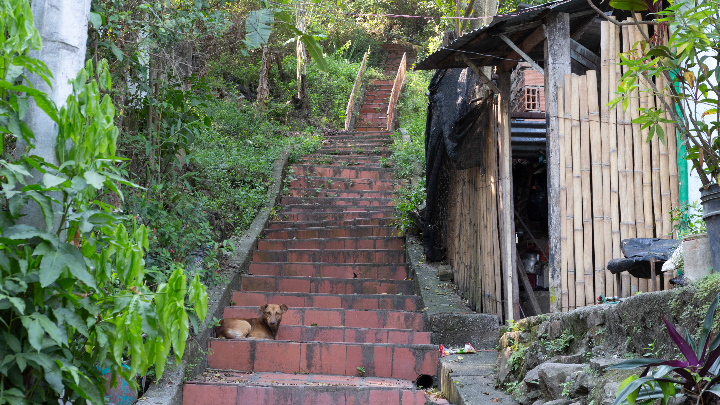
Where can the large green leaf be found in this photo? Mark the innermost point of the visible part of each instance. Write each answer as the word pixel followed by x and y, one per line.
pixel 258 27
pixel 629 5
pixel 315 51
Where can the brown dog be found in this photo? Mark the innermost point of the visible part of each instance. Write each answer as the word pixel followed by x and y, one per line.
pixel 265 327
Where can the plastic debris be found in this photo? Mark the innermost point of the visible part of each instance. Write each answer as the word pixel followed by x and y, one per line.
pixel 444 351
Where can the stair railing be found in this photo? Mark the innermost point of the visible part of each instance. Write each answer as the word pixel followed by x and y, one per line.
pixel 356 88
pixel 395 95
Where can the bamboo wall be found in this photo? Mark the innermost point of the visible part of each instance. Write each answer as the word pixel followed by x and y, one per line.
pixel 473 234
pixel 614 185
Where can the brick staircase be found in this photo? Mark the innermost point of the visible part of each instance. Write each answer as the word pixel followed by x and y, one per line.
pixel 354 330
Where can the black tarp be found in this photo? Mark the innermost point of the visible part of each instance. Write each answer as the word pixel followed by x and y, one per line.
pixel 453 136
pixel 638 252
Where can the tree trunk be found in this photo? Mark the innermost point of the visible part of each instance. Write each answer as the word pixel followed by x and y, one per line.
pixel 64 42
pixel 263 91
pixel 301 22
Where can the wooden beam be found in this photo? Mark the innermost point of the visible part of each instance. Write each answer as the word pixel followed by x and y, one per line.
pixel 527 44
pixel 480 74
pixel 522 54
pixel 583 55
pixel 557 65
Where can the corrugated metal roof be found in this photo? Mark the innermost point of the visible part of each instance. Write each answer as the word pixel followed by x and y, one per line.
pixel 484 44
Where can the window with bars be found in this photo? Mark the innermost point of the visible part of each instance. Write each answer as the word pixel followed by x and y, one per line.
pixel 532 102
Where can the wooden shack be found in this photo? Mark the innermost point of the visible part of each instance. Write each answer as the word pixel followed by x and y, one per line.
pixel 603 183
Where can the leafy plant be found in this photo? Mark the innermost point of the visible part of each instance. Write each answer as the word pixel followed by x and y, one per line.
pixel 686 64
pixel 696 377
pixel 687 220
pixel 361 371
pixel 72 295
pixel 560 344
pixel 566 388
pixel 407 200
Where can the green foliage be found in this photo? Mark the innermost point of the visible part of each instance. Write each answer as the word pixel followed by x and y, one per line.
pixel 407 200
pixel 72 293
pixel 566 389
pixel 687 220
pixel 695 377
pixel 517 358
pixel 559 345
pixel 687 64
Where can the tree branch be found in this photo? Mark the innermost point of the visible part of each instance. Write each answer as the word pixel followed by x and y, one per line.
pixel 616 22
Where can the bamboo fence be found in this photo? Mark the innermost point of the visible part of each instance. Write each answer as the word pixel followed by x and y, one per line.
pixel 613 184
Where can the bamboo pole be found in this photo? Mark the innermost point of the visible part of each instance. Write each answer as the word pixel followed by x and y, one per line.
pixel 664 171
pixel 637 142
pixel 577 196
pixel 570 195
pixel 647 166
pixel 605 44
pixel 617 121
pixel 563 200
pixel 496 219
pixel 657 179
pixel 628 219
pixel 598 194
pixel 586 193
pixel 610 87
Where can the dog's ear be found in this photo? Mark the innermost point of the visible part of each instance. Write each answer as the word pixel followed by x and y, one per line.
pixel 283 308
pixel 263 308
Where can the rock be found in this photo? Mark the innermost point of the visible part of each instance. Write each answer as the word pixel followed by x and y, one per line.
pixel 553 375
pixel 532 378
pixel 535 355
pixel 583 385
pixel 539 402
pixel 571 359
pixel 561 401
pixel 502 369
pixel 609 393
pixel 678 400
pixel 445 273
pixel 601 363
pixel 555 329
pixel 577 403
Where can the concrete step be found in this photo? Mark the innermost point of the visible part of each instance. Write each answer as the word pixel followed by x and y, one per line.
pixel 349 318
pixel 311 300
pixel 333 224
pixel 257 283
pixel 378 359
pixel 333 232
pixel 224 387
pixel 385 271
pixel 365 242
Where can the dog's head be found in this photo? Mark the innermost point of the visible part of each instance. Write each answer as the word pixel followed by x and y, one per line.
pixel 272 314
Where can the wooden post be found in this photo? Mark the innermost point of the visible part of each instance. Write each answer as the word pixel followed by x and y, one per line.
pixel 507 209
pixel 664 173
pixel 557 65
pixel 570 225
pixel 597 197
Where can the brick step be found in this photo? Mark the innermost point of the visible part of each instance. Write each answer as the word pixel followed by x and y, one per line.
pixel 348 155
pixel 373 115
pixel 361 143
pixel 332 160
pixel 337 201
pixel 332 232
pixel 378 359
pixel 352 134
pixel 318 208
pixel 256 283
pixel 374 110
pixel 372 162
pixel 346 301
pixel 330 256
pixel 378 92
pixel 383 153
pixel 385 271
pixel 352 335
pixel 332 216
pixel 301 181
pixel 366 129
pixel 377 82
pixel 366 242
pixel 223 387
pixel 340 223
pixel 305 192
pixel 349 318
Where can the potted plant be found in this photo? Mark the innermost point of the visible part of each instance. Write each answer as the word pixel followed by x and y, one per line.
pixel 683 53
pixel 696 257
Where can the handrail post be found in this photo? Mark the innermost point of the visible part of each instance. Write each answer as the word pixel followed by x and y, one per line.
pixel 396 89
pixel 356 86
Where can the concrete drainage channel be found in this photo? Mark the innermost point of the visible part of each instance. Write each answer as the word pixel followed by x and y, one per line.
pixel 464 378
pixel 168 390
